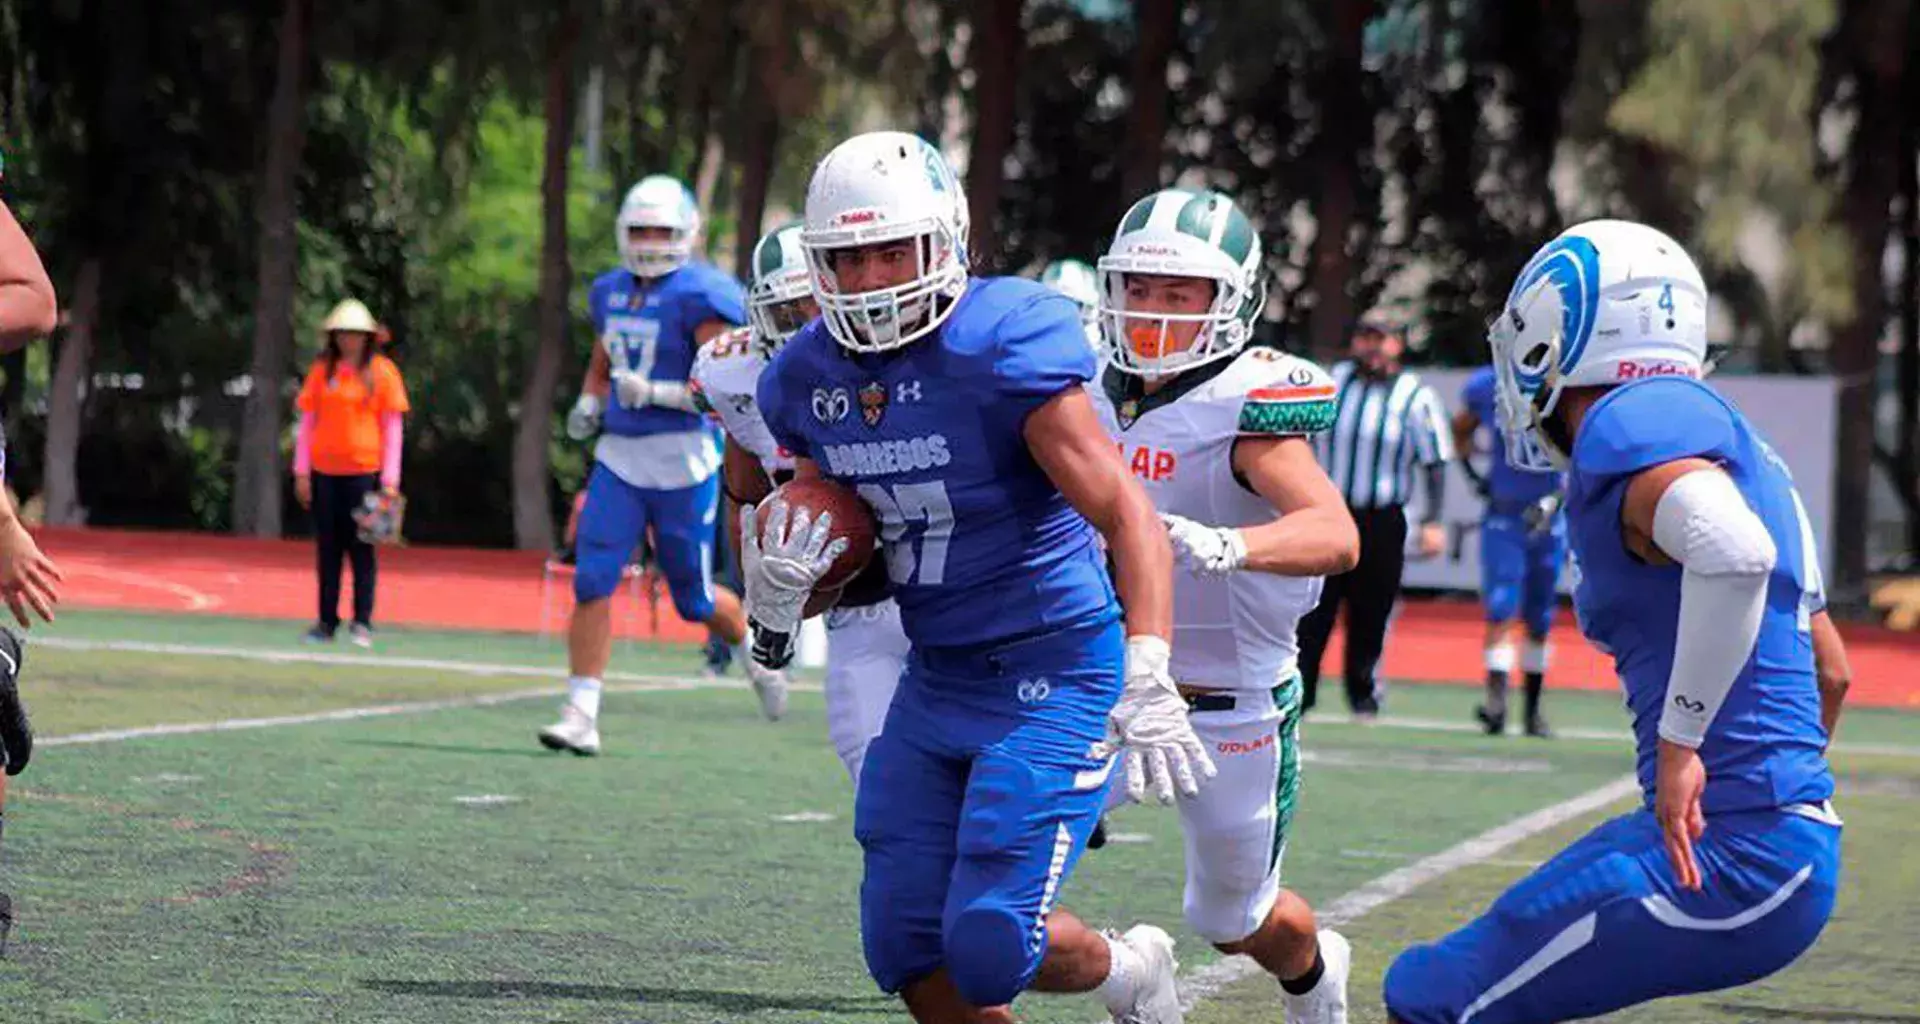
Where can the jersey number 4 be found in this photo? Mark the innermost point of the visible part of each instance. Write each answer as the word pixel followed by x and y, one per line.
pixel 916 523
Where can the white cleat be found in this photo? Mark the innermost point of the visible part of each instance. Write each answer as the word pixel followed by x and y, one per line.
pixel 1155 998
pixel 1327 1002
pixel 575 731
pixel 770 685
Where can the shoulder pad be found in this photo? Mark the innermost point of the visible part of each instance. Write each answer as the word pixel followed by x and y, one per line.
pixel 1287 397
pixel 1643 424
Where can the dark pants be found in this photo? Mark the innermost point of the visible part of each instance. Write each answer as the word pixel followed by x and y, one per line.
pixel 1370 591
pixel 334 500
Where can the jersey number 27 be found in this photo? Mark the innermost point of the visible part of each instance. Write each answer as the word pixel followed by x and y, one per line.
pixel 916 523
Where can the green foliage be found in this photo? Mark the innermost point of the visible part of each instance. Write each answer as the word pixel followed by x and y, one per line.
pixel 1730 90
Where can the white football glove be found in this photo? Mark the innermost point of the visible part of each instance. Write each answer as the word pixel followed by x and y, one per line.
pixel 1210 552
pixel 781 564
pixel 584 421
pixel 1149 728
pixel 637 392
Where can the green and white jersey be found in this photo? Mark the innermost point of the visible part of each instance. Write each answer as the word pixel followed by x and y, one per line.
pixel 725 373
pixel 1238 632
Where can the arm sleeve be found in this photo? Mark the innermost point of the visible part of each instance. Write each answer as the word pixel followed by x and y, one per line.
pixel 1433 436
pixel 1434 510
pixel 1726 556
pixel 309 397
pixel 392 389
pixel 1300 402
pixel 1042 349
pixel 303 444
pixel 768 394
pixel 391 434
pixel 725 300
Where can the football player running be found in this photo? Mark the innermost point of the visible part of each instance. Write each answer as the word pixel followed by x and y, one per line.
pixel 955 406
pixel 1698 573
pixel 655 465
pixel 1218 434
pixel 866 648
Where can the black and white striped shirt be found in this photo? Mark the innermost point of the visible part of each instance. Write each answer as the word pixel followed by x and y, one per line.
pixel 1385 428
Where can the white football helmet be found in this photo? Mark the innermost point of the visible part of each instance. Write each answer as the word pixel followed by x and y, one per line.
pixel 658 201
pixel 1179 232
pixel 1077 281
pixel 1605 302
pixel 883 187
pixel 780 277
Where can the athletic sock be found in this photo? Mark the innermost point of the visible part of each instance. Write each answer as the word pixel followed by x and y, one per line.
pixel 583 692
pixel 1124 970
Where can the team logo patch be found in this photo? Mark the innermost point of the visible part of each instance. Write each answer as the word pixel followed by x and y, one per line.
pixel 830 405
pixel 873 403
pixel 1128 411
pixel 1300 377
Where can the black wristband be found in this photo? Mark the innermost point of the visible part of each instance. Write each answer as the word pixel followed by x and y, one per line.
pixel 770 649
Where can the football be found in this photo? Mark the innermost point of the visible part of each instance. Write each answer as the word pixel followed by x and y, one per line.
pixel 851 520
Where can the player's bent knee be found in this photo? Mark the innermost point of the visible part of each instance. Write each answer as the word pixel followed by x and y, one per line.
pixel 1423 986
pixel 1502 603
pixel 992 953
pixel 694 604
pixel 593 581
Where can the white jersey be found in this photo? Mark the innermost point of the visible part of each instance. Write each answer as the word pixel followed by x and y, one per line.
pixel 725 375
pixel 1235 633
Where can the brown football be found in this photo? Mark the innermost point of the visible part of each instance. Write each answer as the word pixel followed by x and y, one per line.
pixel 851 520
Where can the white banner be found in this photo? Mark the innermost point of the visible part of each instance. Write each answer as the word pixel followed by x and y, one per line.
pixel 1794 414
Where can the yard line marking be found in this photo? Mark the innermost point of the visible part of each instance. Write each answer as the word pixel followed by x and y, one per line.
pixel 1209 980
pixel 669 682
pixel 661 684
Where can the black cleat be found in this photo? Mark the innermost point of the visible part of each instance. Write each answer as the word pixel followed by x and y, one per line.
pixel 1538 728
pixel 1099 837
pixel 1492 722
pixel 16 732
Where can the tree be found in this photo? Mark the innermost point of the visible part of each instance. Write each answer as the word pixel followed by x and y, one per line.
pixel 256 497
pixel 532 513
pixel 1157 26
pixel 994 53
pixel 1343 134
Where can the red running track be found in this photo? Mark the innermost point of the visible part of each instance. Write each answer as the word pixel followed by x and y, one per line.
pixel 458 588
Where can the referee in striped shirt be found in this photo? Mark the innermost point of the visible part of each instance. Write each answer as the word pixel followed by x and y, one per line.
pixel 1392 429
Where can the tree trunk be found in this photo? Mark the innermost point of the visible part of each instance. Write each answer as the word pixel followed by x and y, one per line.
pixel 701 76
pixel 256 492
pixel 1907 369
pixel 532 514
pixel 1156 26
pixel 995 52
pixel 72 370
pixel 1346 128
pixel 759 144
pixel 1878 35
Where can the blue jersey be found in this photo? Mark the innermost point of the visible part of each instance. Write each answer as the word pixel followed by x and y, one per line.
pixel 647 328
pixel 1506 485
pixel 980 544
pixel 1764 749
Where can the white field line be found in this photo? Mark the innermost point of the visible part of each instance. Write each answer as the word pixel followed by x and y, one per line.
pixel 1209 980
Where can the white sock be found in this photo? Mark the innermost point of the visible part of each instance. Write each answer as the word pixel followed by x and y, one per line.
pixel 1500 658
pixel 1126 966
pixel 1536 656
pixel 583 692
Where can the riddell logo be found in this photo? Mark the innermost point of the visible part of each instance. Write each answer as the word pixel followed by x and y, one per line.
pixel 1235 747
pixel 857 217
pixel 1152 250
pixel 1634 369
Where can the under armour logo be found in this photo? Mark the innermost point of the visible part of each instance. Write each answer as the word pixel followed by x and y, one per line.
pixel 1684 703
pixel 1033 691
pixel 907 391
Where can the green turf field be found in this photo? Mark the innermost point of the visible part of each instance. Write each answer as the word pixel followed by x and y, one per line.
pixel 437 866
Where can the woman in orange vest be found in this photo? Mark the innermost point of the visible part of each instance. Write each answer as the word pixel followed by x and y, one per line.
pixel 347 447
